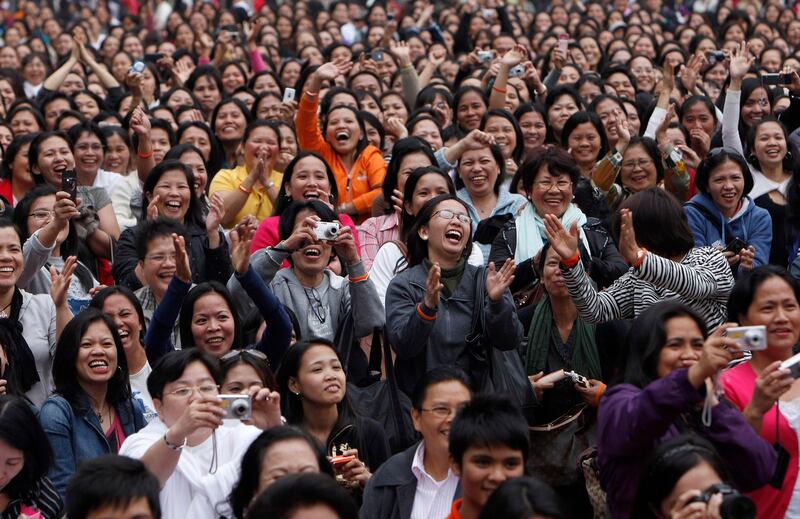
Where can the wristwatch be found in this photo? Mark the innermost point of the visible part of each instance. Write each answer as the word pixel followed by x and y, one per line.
pixel 615 158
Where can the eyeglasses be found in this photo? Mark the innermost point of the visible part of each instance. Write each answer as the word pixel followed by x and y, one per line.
pixel 161 258
pixel 449 215
pixel 204 390
pixel 642 163
pixel 235 355
pixel 443 411
pixel 42 214
pixel 547 185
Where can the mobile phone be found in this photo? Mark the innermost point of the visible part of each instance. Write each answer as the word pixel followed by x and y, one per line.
pixel 376 55
pixel 776 79
pixel 485 56
pixel 69 184
pixel 288 95
pixel 488 13
pixel 753 338
pixel 136 68
pixel 517 71
pixel 563 43
pixel 578 380
pixel 735 245
pixel 153 57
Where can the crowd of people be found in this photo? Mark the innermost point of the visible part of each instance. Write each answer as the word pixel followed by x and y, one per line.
pixel 443 260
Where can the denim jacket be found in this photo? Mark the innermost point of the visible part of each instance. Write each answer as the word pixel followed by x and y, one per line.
pixel 76 435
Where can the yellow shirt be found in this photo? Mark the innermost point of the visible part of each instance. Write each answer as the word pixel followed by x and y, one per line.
pixel 258 203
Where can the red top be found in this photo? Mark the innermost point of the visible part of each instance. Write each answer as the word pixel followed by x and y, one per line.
pixel 115 435
pixel 267 233
pixel 738 383
pixel 454 510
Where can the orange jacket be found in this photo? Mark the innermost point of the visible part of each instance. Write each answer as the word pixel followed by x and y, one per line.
pixel 365 179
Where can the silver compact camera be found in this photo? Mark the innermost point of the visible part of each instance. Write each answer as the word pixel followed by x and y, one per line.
pixel 793 365
pixel 237 407
pixel 753 338
pixel 327 231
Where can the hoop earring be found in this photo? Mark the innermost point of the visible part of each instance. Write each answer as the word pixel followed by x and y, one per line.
pixel 788 155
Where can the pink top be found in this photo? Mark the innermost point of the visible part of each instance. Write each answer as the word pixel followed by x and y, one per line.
pixel 267 233
pixel 373 233
pixel 771 503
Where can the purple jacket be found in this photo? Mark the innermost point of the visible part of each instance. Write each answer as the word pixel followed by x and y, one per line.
pixel 632 421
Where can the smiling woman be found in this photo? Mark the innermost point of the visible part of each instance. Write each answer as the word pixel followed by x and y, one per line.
pixel 92 411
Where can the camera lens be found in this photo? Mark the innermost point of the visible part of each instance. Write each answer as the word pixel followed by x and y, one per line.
pixel 239 408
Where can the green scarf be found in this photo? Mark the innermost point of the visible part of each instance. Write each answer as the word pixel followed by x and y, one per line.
pixel 449 277
pixel 585 360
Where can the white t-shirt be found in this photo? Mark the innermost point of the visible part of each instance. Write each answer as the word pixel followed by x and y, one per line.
pixel 192 478
pixel 139 389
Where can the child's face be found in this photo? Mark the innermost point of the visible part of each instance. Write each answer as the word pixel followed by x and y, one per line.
pixel 483 469
pixel 136 509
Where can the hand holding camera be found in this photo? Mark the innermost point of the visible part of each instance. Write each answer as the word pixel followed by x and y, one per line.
pixel 771 383
pixel 204 412
pixel 345 244
pixel 718 351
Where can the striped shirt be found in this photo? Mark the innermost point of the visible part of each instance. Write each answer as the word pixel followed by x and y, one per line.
pixel 702 281
pixel 43 497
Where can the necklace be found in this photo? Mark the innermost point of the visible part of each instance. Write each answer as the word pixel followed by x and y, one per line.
pixel 3 314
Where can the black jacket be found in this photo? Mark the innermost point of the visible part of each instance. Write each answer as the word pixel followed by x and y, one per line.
pixel 607 263
pixel 390 491
pixel 207 264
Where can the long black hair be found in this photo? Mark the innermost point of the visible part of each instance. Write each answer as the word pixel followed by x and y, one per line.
pixel 64 376
pixel 121 290
pixel 401 149
pixel 20 429
pixel 646 339
pixel 519 148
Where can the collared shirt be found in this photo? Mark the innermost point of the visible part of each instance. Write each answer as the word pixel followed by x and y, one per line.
pixel 257 202
pixel 148 301
pixel 432 498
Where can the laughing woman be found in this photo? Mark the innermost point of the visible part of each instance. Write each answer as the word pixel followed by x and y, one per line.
pixel 359 167
pixel 92 411
pixel 169 192
pixel 431 302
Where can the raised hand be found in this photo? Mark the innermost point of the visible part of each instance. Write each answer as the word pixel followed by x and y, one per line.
pixel 433 287
pixel 477 140
pixel 718 351
pixel 701 141
pixel 152 208
pixel 59 282
pixel 564 242
pixel 771 383
pixel 240 249
pixel 401 51
pixel 628 246
pixel 690 157
pixel 345 245
pixel 746 257
pixel 741 61
pixel 661 132
pixel 498 281
pixel 215 213
pixel 394 126
pixel 140 123
pixel 333 69
pixel 437 57
pixel 354 470
pixel 515 56
pixel 557 58
pixel 302 234
pixel 397 201
pixel 667 79
pixel 183 270
pixel 266 408
pixel 623 130
pixel 64 210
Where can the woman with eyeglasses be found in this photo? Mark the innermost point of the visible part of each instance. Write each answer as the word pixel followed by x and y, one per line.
pixel 548 178
pixel 431 302
pixel 44 217
pixel 193 456
pixel 92 411
pixel 207 317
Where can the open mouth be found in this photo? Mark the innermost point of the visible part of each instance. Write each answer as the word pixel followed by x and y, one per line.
pixel 553 202
pixel 6 270
pixel 453 236
pixel 729 197
pixel 639 178
pixel 229 128
pixel 173 205
pixel 342 136
pixel 773 153
pixel 479 179
pixel 99 366
pixel 166 275
pixel 332 388
pixel 312 252
pixel 214 341
pixel 311 194
pixel 123 333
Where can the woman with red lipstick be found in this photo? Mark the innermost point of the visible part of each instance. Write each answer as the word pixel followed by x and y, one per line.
pixel 768 396
pixel 92 411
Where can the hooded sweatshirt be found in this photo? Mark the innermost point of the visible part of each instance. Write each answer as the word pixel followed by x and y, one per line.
pixel 752 224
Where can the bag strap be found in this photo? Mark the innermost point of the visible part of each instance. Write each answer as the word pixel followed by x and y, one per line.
pixel 710 217
pixel 394 390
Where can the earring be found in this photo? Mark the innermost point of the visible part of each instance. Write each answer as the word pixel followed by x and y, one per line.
pixel 424 238
pixel 751 157
pixel 788 155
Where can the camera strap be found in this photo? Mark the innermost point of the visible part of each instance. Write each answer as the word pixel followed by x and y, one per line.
pixel 783 455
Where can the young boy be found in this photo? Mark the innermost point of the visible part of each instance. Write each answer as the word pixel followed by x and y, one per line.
pixel 113 487
pixel 488 445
